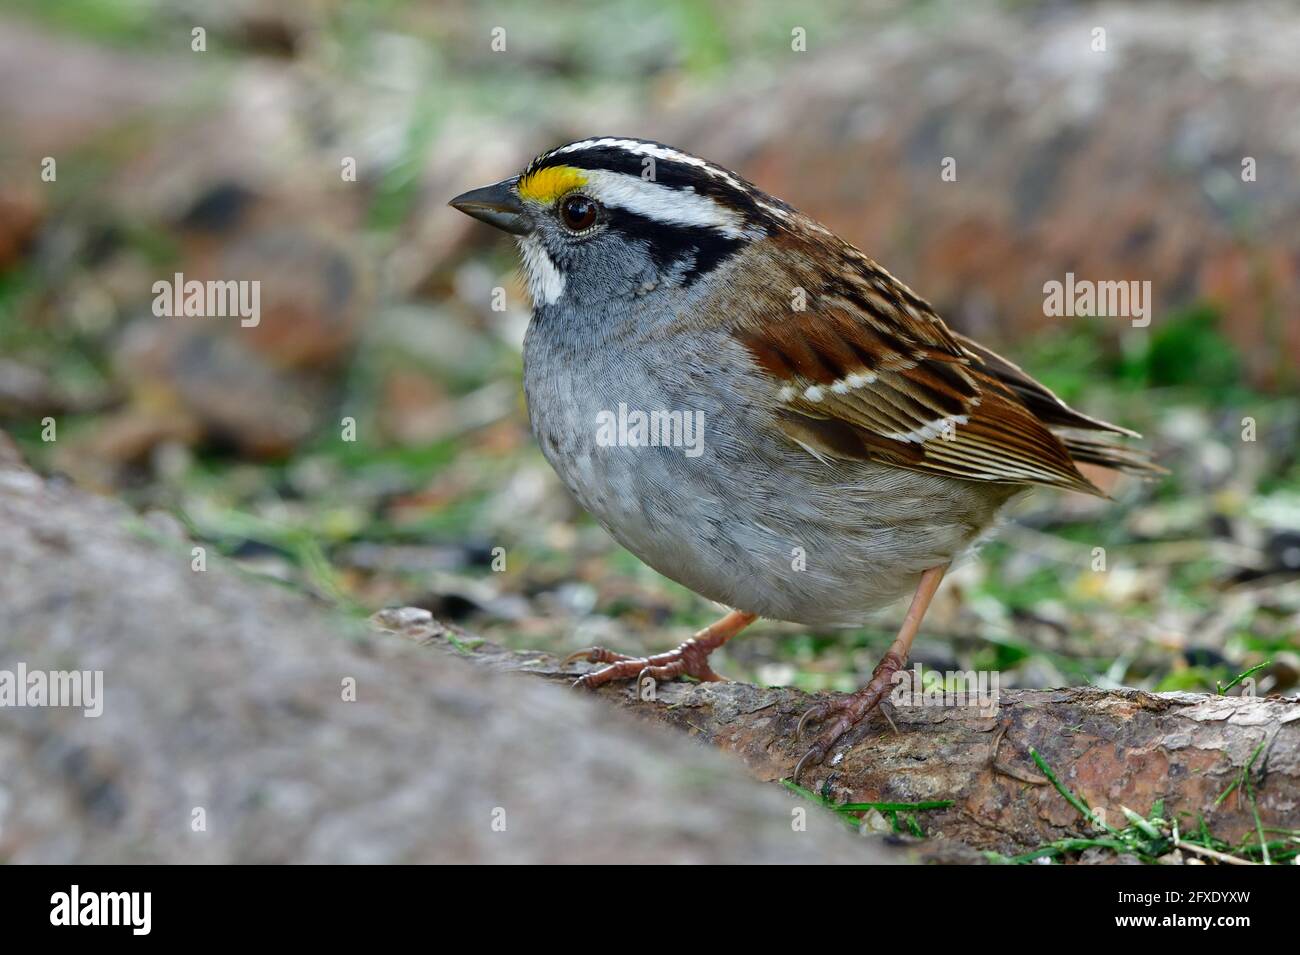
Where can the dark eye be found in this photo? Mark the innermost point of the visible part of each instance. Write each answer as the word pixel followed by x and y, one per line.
pixel 578 213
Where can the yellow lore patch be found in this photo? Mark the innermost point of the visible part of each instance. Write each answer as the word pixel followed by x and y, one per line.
pixel 547 185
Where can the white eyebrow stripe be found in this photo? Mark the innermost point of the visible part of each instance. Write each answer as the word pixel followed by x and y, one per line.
pixel 649 149
pixel 662 203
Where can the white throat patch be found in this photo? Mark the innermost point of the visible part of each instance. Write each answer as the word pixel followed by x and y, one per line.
pixel 545 281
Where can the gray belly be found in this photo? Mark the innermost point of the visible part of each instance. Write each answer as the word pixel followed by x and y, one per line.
pixel 737 514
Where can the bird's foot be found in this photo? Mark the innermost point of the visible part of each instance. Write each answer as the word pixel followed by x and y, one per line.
pixel 690 659
pixel 843 714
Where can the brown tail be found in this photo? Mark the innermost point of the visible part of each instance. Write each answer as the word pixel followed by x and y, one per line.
pixel 1064 420
pixel 1118 457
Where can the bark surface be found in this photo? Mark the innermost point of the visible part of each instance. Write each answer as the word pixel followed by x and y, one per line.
pixel 1114 748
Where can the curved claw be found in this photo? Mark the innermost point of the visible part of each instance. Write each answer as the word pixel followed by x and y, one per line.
pixel 576 655
pixel 594 655
pixel 799 766
pixel 814 714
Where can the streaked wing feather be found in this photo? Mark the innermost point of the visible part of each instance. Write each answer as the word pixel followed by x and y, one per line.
pixel 868 371
pixel 1036 396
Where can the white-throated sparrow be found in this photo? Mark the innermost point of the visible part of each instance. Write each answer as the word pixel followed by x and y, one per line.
pixel 755 408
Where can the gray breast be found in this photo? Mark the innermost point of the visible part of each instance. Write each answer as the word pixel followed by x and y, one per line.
pixel 745 517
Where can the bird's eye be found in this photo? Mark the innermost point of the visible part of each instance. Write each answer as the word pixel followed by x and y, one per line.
pixel 578 213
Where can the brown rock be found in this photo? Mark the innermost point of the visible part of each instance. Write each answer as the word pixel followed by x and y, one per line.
pixel 225 695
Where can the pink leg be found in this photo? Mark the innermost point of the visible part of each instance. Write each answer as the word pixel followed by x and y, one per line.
pixel 851 710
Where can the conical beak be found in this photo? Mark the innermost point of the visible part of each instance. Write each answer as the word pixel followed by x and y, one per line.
pixel 497 205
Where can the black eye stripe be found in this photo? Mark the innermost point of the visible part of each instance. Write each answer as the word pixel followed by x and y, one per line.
pixel 670 244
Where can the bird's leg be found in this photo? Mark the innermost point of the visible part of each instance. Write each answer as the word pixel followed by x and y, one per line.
pixel 851 710
pixel 690 659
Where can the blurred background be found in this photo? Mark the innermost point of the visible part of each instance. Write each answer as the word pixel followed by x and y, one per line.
pixel 1127 162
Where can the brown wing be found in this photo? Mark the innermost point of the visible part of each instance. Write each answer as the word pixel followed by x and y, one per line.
pixel 1034 395
pixel 870 372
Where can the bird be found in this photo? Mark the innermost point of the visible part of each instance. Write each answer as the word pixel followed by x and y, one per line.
pixel 758 410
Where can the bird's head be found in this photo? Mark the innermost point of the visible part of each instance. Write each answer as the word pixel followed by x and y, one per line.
pixel 611 218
